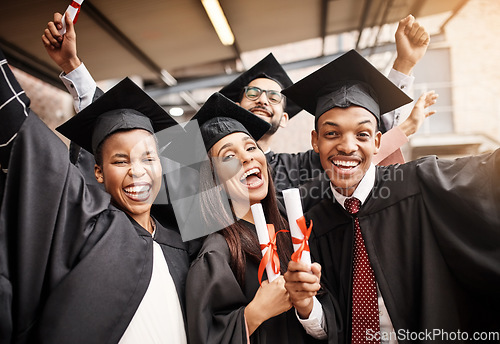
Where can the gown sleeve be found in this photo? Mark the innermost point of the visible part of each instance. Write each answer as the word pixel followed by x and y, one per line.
pixel 215 301
pixel 462 199
pixel 45 206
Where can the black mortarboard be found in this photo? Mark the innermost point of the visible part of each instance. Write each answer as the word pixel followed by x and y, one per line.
pixel 219 117
pixel 347 80
pixel 125 106
pixel 268 68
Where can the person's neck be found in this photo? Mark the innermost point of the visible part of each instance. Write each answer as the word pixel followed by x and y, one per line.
pixel 145 221
pixel 243 212
pixel 347 192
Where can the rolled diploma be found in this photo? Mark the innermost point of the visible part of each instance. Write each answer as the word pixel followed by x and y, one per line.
pixel 71 12
pixel 263 234
pixel 294 211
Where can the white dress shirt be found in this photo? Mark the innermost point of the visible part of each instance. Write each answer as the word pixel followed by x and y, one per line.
pixel 362 192
pixel 158 319
pixel 404 82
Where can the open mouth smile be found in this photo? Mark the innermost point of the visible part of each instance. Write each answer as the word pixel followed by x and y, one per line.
pixel 345 166
pixel 138 192
pixel 259 111
pixel 252 178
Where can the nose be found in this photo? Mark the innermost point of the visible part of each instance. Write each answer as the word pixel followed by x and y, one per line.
pixel 136 169
pixel 347 144
pixel 263 98
pixel 246 157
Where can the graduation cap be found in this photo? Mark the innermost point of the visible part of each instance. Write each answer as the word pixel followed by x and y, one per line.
pixel 347 80
pixel 125 106
pixel 219 117
pixel 268 68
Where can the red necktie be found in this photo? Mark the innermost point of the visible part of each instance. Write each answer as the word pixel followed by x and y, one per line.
pixel 365 315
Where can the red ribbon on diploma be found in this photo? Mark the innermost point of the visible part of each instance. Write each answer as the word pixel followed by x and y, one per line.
pixel 78 7
pixel 271 254
pixel 304 246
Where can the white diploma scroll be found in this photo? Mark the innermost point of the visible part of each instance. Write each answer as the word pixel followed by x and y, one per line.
pixel 294 211
pixel 71 11
pixel 263 234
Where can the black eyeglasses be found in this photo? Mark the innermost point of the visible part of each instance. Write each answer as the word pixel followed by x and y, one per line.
pixel 253 93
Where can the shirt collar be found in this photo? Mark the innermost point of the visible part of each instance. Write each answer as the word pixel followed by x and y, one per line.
pixel 362 191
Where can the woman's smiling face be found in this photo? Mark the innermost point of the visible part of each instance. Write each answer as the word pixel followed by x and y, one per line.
pixel 241 167
pixel 131 170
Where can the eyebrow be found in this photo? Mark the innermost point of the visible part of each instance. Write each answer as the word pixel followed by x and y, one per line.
pixel 365 122
pixel 120 155
pixel 333 124
pixel 336 125
pixel 149 152
pixel 229 144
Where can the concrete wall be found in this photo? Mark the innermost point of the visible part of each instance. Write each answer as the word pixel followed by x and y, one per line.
pixel 474 39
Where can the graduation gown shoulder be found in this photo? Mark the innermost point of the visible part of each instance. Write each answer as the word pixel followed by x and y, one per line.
pixel 291 170
pixel 432 231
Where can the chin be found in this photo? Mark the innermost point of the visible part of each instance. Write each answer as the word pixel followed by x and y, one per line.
pixel 258 197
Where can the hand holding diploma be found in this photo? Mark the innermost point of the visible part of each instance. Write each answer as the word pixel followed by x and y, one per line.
pixel 270 300
pixel 61 49
pixel 302 285
pixel 72 13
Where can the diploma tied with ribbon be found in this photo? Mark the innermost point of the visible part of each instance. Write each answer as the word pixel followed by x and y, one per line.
pixel 72 11
pixel 267 239
pixel 300 232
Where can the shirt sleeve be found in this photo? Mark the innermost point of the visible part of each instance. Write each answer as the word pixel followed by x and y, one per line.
pixel 404 82
pixel 314 325
pixel 80 85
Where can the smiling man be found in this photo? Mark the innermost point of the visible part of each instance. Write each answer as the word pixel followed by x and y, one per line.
pixel 349 141
pixel 406 249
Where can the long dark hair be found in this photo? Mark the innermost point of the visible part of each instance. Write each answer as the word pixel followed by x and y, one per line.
pixel 242 241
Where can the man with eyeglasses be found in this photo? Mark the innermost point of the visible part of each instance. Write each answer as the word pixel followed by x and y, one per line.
pixel 259 91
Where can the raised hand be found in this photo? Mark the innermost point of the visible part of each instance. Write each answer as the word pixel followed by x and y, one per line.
pixel 418 114
pixel 61 48
pixel 412 41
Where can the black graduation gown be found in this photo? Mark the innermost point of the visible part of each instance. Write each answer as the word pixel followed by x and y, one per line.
pixel 77 267
pixel 291 170
pixel 216 303
pixel 432 233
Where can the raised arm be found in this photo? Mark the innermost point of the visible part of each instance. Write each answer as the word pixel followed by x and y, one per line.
pixel 412 41
pixel 62 50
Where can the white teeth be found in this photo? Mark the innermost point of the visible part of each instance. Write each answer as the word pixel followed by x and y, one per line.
pixel 255 184
pixel 137 189
pixel 249 172
pixel 343 163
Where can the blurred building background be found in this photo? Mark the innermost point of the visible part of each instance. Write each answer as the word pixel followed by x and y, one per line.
pixel 460 63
